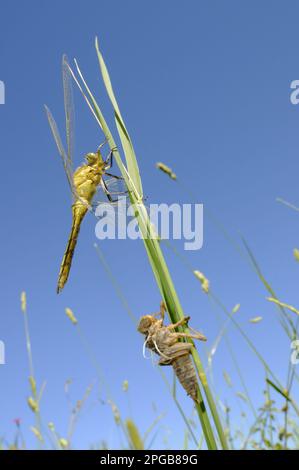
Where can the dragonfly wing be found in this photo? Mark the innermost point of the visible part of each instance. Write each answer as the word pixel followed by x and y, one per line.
pixel 119 199
pixel 116 185
pixel 68 108
pixel 66 163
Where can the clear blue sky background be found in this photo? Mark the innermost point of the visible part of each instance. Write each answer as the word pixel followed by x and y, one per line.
pixel 204 87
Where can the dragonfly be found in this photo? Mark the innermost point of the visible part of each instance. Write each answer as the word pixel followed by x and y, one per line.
pixel 85 180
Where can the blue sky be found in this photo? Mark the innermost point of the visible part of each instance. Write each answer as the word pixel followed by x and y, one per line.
pixel 203 87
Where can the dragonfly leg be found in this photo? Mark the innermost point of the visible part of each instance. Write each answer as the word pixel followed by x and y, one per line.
pixel 102 144
pixel 106 191
pixel 162 311
pixel 117 178
pixel 183 321
pixel 198 335
pixel 114 176
pixel 109 159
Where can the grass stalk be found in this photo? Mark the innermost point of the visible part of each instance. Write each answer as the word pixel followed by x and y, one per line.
pixel 34 400
pixel 132 179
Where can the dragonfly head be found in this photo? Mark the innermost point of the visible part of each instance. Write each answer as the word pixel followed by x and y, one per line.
pixel 93 158
pixel 145 323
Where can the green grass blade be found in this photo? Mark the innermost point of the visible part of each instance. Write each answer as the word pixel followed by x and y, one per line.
pixel 278 390
pixel 124 134
pixel 153 248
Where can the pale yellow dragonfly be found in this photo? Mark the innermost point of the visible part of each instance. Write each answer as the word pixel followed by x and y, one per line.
pixel 84 181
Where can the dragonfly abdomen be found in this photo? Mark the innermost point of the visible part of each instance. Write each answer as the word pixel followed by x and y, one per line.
pixel 185 372
pixel 79 210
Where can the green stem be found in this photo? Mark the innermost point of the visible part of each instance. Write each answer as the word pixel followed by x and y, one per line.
pixel 31 368
pixel 156 258
pixel 176 313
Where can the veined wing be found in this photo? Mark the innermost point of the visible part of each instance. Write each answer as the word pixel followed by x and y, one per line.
pixel 67 157
pixel 68 108
pixel 119 201
pixel 113 185
pixel 65 160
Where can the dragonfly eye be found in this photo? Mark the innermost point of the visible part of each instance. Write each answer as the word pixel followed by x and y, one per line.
pixel 145 323
pixel 91 158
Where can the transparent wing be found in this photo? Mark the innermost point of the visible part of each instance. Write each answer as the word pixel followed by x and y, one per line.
pixel 111 198
pixel 118 203
pixel 116 188
pixel 65 160
pixel 68 108
pixel 115 185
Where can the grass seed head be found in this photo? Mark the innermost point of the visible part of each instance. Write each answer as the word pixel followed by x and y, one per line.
pixel 125 385
pixel 64 443
pixel 205 283
pixel 296 254
pixel 161 166
pixel 33 404
pixel 71 316
pixel 37 433
pixel 23 302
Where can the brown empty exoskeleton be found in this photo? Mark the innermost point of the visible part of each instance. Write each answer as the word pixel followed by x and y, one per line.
pixel 165 342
